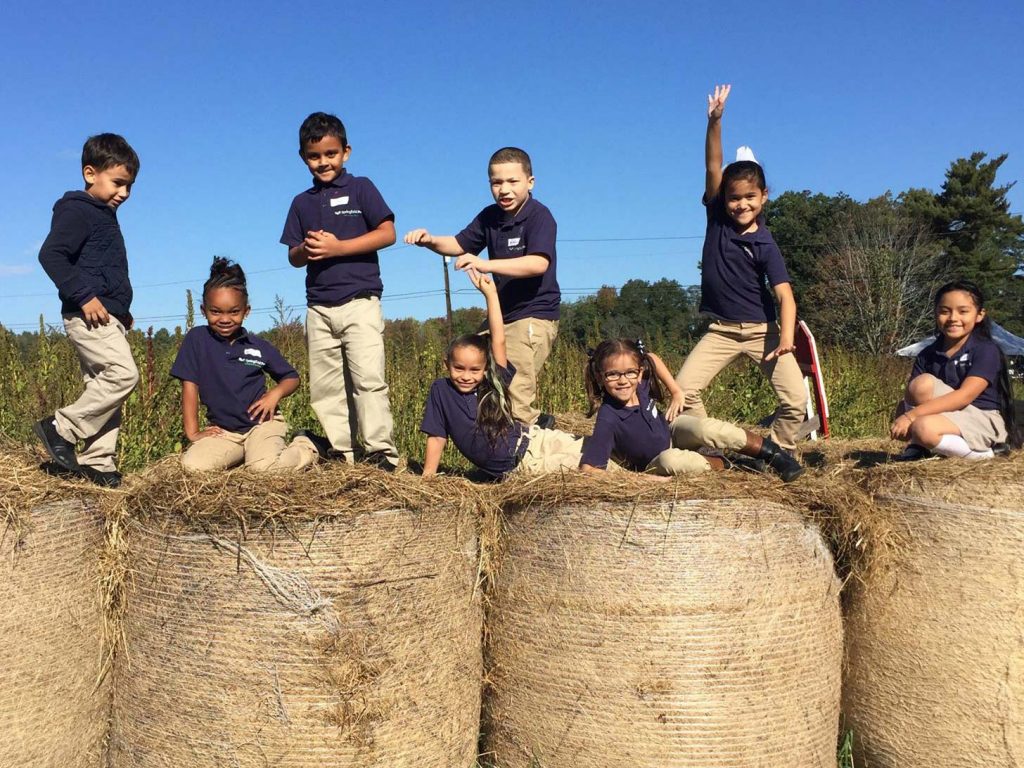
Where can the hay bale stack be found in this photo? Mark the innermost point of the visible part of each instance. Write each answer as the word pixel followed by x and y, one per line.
pixel 339 627
pixel 53 707
pixel 663 633
pixel 935 670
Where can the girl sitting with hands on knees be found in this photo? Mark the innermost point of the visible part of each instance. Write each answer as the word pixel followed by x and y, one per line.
pixel 224 366
pixel 624 383
pixel 959 400
pixel 471 405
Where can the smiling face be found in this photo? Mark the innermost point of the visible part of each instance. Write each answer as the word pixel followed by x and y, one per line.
pixel 111 185
pixel 744 200
pixel 224 309
pixel 325 158
pixel 956 315
pixel 467 367
pixel 510 185
pixel 621 374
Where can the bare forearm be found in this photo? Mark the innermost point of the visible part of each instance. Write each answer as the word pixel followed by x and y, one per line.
pixel 432 455
pixel 951 401
pixel 530 265
pixel 787 319
pixel 446 245
pixel 284 388
pixel 496 326
pixel 190 409
pixel 713 158
pixel 664 376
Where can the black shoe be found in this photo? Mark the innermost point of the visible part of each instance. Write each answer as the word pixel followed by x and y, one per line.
pixel 546 421
pixel 780 462
pixel 1001 449
pixel 322 444
pixel 913 452
pixel 101 478
pixel 61 451
pixel 380 460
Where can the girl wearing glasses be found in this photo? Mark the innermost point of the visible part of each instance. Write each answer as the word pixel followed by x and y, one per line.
pixel 624 383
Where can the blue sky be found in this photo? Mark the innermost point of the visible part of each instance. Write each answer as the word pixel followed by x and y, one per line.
pixel 608 98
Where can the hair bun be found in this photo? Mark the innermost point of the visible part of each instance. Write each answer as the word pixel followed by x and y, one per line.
pixel 223 267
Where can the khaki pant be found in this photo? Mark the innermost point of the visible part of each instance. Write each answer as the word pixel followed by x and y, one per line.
pixel 347 388
pixel 690 433
pixel 528 343
pixel 724 343
pixel 110 376
pixel 261 449
pixel 550 450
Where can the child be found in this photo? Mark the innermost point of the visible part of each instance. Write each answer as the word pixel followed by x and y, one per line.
pixel 222 365
pixel 739 254
pixel 84 255
pixel 519 234
pixel 472 406
pixel 623 383
pixel 959 399
pixel 334 230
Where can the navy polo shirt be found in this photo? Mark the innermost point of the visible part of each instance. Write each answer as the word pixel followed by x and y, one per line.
pixel 347 207
pixel 450 413
pixel 229 374
pixel 531 232
pixel 633 434
pixel 734 269
pixel 977 357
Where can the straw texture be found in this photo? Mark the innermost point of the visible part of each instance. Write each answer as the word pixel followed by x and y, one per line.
pixel 351 640
pixel 935 671
pixel 692 633
pixel 53 707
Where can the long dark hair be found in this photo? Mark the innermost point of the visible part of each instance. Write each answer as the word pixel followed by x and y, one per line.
pixel 610 348
pixel 741 170
pixel 1004 385
pixel 224 273
pixel 494 409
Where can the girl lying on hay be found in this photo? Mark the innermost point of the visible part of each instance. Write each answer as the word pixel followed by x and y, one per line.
pixel 472 406
pixel 959 400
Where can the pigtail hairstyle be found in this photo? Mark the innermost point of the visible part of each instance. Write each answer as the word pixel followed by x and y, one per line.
pixel 226 274
pixel 1004 385
pixel 594 374
pixel 494 409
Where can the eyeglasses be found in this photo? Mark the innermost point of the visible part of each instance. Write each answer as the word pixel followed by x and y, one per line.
pixel 631 375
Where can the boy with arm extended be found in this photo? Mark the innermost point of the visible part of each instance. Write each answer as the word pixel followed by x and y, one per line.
pixel 519 234
pixel 334 229
pixel 84 254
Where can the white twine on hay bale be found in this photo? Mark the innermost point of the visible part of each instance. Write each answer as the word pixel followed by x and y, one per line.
pixel 348 640
pixel 54 701
pixel 696 633
pixel 935 671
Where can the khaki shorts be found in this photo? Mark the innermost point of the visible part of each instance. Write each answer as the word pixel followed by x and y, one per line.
pixel 981 429
pixel 550 450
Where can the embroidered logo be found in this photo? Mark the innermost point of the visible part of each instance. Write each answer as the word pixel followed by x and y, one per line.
pixel 348 212
pixel 514 241
pixel 252 351
pixel 336 201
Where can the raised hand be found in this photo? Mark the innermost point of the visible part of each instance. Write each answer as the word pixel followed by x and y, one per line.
pixel 419 237
pixel 482 282
pixel 716 101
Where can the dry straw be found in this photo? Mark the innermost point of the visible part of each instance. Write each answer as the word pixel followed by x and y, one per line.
pixel 936 663
pixel 329 619
pixel 634 624
pixel 55 704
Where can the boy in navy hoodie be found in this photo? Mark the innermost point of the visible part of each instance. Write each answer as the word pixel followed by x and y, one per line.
pixel 84 255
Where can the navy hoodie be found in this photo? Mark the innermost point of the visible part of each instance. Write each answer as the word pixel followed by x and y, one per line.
pixel 84 255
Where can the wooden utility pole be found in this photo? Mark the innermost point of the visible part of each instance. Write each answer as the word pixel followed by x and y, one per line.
pixel 447 295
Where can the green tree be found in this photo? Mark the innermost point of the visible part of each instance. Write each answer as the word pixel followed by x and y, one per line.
pixel 983 241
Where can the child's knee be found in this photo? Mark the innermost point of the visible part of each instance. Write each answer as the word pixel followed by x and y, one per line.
pixel 921 389
pixel 924 432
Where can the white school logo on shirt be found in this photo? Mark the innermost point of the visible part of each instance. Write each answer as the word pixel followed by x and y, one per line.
pixel 513 241
pixel 253 352
pixel 343 200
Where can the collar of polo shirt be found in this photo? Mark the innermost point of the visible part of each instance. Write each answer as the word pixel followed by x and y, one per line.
pixel 520 214
pixel 340 180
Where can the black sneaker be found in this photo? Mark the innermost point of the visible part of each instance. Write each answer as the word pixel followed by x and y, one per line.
pixel 380 460
pixel 779 461
pixel 61 451
pixel 1001 449
pixel 546 421
pixel 101 478
pixel 913 452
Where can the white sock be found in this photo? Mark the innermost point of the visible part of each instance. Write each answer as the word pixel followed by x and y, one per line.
pixel 981 455
pixel 953 446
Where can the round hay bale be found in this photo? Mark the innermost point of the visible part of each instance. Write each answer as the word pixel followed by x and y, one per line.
pixel 353 640
pixel 55 702
pixel 690 633
pixel 935 668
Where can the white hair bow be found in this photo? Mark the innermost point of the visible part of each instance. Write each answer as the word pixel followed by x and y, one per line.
pixel 745 153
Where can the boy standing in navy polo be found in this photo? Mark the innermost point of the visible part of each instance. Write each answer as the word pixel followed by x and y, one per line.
pixel 519 234
pixel 334 229
pixel 84 255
